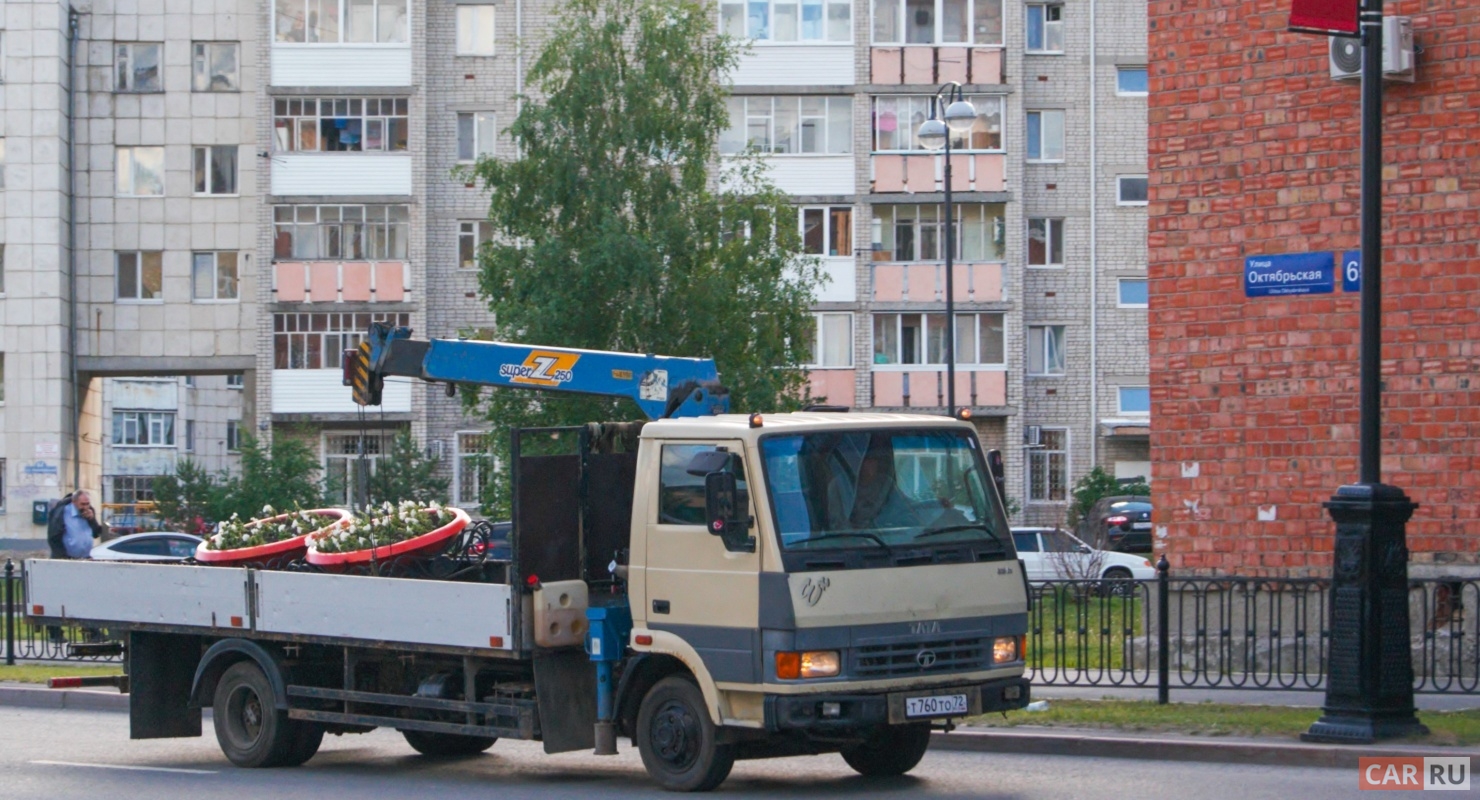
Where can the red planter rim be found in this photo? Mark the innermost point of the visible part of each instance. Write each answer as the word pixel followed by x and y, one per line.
pixel 296 545
pixel 413 546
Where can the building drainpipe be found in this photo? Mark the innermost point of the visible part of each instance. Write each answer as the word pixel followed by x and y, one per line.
pixel 1094 249
pixel 73 31
pixel 518 57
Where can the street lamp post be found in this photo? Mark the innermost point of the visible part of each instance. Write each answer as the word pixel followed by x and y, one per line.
pixel 934 134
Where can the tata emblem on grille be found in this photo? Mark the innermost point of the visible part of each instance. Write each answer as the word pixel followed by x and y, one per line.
pixel 925 658
pixel 812 590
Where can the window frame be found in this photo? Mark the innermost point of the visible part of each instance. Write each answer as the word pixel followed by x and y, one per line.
pixel 1121 70
pixel 819 345
pixel 236 380
pixel 475 10
pixel 215 296
pixel 341 20
pixel 833 232
pixel 207 172
pixel 466 460
pixel 1120 408
pixel 835 108
pixel 1120 293
pixel 233 436
pixel 139 268
pixel 925 100
pixel 991 223
pixel 1050 252
pixel 291 331
pixel 1045 455
pixel 123 53
pixel 380 231
pixel 1120 190
pixel 1043 334
pixel 131 170
pixel 202 62
pixel 471 229
pixel 973 320
pixel 1048 27
pixel 297 119
pixel 769 40
pixel 381 436
pixel 474 118
pixel 1030 143
pixel 937 33
pixel 144 428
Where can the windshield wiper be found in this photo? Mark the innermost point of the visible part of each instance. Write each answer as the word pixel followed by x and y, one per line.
pixel 965 527
pixel 844 535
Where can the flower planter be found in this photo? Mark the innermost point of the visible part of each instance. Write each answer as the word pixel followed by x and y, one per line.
pixel 424 544
pixel 286 549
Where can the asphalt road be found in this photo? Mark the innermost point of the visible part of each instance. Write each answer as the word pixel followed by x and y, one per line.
pixel 57 755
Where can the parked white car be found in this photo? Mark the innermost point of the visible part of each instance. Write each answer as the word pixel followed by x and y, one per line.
pixel 1054 554
pixel 151 546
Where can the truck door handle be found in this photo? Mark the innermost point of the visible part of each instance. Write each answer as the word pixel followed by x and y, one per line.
pixel 660 606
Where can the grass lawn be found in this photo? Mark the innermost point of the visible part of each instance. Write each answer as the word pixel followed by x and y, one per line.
pixel 38 673
pixel 1213 719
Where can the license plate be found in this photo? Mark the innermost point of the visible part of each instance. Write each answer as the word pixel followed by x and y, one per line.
pixel 941 705
pixel 1141 526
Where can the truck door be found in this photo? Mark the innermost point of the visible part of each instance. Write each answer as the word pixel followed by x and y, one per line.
pixel 696 588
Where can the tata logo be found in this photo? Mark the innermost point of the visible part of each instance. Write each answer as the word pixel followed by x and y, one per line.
pixel 925 628
pixel 925 658
pixel 541 368
pixel 812 589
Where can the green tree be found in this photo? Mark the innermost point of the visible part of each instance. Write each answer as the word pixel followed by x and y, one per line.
pixel 1095 484
pixel 284 475
pixel 406 473
pixel 189 500
pixel 619 227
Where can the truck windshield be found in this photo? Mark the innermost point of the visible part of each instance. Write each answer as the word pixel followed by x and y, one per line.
pixel 872 489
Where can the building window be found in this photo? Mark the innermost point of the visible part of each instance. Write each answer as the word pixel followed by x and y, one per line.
pixel 2 379
pixel 1048 467
pixel 832 340
pixel 1134 399
pixel 144 428
pixel 1133 293
pixel 132 489
pixel 475 30
pixel 1045 242
pixel 233 435
pixel 341 233
pixel 341 455
pixel 2 469
pixel 137 67
pixel 140 171
pixel 914 233
pixel 190 436
pixel 1131 190
pixel 319 21
pixel 316 341
pixel 214 67
pixel 789 125
pixel 1045 136
pixel 235 380
pixel 1132 81
pixel 2 162
pixel 1045 28
pixel 473 464
pixel 827 231
pixel 140 275
pixel 938 22
pixel 215 169
pixel 476 133
pixel 2 269
pixel 787 20
pixel 2 80
pixel 472 235
pixel 340 124
pixel 1046 350
pixel 921 339
pixel 214 276
pixel 897 123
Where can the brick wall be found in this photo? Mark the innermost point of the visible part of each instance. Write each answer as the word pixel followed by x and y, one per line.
pixel 1253 150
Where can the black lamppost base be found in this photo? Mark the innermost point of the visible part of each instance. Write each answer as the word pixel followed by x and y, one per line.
pixel 1369 670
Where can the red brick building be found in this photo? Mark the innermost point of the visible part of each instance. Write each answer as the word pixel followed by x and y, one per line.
pixel 1254 151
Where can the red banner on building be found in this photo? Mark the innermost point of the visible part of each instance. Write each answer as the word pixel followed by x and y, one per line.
pixel 1333 17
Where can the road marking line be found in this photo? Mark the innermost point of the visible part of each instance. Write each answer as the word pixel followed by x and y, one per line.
pixel 126 767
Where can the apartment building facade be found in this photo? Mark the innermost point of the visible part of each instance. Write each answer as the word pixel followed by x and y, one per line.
pixel 259 179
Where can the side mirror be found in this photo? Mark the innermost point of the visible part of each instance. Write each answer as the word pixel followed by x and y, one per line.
pixel 724 514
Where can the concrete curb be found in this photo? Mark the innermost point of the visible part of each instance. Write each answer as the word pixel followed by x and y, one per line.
pixel 1091 744
pixel 76 699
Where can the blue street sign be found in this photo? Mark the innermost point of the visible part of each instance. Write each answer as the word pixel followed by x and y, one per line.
pixel 1297 273
pixel 1351 271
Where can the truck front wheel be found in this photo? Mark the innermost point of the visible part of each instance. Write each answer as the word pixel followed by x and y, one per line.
pixel 447 744
pixel 250 728
pixel 893 751
pixel 678 741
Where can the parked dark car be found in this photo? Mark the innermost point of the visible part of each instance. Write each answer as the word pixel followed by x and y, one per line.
pixel 1122 523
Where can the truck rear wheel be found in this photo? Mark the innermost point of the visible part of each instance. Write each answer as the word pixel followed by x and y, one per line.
pixel 250 728
pixel 447 744
pixel 893 751
pixel 678 741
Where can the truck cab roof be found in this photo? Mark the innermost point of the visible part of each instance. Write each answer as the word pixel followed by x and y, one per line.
pixel 737 426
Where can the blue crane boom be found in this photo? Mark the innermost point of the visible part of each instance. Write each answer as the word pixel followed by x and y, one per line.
pixel 662 386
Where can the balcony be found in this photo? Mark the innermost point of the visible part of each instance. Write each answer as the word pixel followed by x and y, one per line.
pixel 926 283
pixel 925 172
pixel 832 386
pixel 924 385
pixel 341 64
pixel 341 281
pixel 928 64
pixel 322 391
pixel 341 174
pixel 813 175
pixel 810 64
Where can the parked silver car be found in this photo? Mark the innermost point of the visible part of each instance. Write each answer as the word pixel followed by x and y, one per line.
pixel 151 546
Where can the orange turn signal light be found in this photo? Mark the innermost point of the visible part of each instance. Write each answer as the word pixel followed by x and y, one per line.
pixel 788 666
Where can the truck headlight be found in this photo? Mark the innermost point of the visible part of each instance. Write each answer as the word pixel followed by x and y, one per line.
pixel 1005 649
pixel 808 664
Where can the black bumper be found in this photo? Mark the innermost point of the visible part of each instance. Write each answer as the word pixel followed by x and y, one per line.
pixel 860 711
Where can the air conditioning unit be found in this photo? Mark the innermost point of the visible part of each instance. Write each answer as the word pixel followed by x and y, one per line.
pixel 1397 53
pixel 1033 435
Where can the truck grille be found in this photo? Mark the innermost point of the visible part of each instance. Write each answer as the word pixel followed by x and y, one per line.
pixel 915 658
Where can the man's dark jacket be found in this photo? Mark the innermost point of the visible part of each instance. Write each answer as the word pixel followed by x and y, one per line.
pixel 56 528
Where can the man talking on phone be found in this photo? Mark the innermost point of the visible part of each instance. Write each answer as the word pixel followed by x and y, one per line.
pixel 73 526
